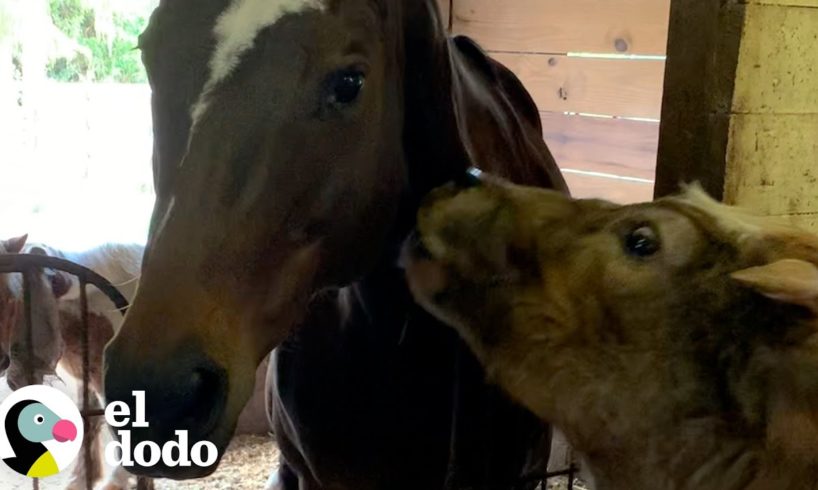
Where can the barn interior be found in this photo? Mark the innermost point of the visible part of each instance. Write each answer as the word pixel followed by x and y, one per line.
pixel 635 97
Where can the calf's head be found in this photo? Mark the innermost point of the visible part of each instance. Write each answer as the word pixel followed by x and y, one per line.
pixel 624 325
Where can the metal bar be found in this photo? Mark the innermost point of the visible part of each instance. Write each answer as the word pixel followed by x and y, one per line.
pixel 21 262
pixel 35 483
pixel 29 325
pixel 144 483
pixel 86 379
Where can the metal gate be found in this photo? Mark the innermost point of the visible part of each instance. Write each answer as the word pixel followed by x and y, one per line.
pixel 541 481
pixel 24 263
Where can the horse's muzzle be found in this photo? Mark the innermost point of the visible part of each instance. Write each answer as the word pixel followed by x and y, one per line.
pixel 189 394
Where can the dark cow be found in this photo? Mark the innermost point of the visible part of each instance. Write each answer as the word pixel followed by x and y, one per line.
pixel 294 140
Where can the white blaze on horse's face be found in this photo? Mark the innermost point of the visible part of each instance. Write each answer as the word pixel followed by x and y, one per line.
pixel 236 31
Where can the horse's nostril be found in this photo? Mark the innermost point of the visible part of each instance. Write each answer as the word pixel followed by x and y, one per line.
pixel 189 395
pixel 208 394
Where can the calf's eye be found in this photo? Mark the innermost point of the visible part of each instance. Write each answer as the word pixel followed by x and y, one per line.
pixel 642 242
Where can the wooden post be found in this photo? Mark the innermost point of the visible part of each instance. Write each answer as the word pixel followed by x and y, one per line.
pixel 740 112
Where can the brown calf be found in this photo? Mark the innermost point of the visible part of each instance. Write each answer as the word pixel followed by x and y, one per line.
pixel 675 343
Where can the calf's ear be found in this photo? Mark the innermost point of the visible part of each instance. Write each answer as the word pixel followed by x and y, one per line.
pixel 790 281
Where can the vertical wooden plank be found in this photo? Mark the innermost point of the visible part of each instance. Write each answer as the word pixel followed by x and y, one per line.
pixel 772 164
pixel 703 46
pixel 746 122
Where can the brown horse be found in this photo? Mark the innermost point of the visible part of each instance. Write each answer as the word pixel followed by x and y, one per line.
pixel 294 140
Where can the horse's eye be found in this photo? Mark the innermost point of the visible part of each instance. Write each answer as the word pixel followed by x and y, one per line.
pixel 641 242
pixel 345 87
pixel 39 419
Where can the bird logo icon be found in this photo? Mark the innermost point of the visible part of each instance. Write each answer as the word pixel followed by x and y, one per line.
pixel 41 427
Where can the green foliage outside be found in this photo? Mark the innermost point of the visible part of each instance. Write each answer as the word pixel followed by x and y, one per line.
pixel 110 53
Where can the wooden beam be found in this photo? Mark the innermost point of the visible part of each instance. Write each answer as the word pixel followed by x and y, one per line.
pixel 703 45
pixel 778 61
pixel 745 123
pixel 773 163
pixel 553 26
pixel 614 87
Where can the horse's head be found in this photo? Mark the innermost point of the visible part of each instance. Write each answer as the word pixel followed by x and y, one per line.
pixel 28 355
pixel 293 139
pixel 9 301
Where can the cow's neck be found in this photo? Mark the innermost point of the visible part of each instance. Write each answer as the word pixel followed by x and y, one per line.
pixel 708 454
pixel 790 458
pixel 695 455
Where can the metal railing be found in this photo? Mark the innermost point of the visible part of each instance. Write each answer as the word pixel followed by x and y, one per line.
pixel 541 481
pixel 27 263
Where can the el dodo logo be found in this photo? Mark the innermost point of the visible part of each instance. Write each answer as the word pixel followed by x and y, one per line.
pixel 41 431
pixel 148 453
pixel 42 435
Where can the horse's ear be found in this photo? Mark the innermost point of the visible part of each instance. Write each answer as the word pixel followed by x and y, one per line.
pixel 15 245
pixel 790 281
pixel 503 80
pixel 494 102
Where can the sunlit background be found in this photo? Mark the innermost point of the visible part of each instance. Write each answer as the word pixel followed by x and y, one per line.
pixel 75 128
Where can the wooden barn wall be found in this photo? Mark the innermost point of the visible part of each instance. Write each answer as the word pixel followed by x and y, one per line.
pixel 600 113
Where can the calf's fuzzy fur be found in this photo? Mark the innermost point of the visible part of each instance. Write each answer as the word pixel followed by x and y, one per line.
pixel 675 343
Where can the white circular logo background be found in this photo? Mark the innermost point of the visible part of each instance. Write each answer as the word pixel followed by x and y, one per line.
pixel 58 402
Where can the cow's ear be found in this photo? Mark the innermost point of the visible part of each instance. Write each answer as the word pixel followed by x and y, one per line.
pixel 790 281
pixel 15 245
